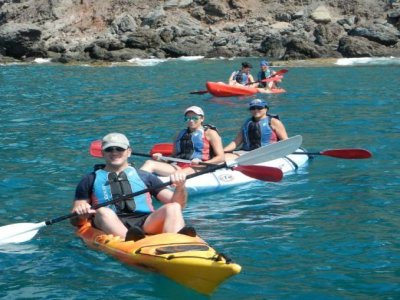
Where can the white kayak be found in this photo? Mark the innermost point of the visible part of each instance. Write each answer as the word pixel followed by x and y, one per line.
pixel 225 178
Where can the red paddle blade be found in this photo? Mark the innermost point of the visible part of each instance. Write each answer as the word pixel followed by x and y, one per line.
pixel 199 92
pixel 348 153
pixel 165 149
pixel 280 72
pixel 95 149
pixel 261 172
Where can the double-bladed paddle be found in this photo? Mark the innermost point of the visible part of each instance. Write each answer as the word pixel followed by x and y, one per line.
pixel 22 232
pixel 345 153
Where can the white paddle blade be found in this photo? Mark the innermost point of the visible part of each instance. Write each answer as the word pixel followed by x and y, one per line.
pixel 19 233
pixel 269 152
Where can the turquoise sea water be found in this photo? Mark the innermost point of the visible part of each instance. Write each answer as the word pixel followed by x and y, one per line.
pixel 329 231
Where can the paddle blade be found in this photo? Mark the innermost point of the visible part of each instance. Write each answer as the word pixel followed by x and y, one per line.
pixel 199 92
pixel 165 149
pixel 347 153
pixel 261 172
pixel 19 233
pixel 280 72
pixel 95 149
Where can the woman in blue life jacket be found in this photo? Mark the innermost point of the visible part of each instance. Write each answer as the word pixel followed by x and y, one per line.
pixel 196 143
pixel 242 76
pixel 259 130
pixel 131 218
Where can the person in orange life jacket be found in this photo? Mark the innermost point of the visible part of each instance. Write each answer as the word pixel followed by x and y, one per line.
pixel 264 73
pixel 258 130
pixel 243 76
pixel 136 217
pixel 197 143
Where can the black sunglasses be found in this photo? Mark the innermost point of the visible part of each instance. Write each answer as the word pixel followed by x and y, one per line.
pixel 111 149
pixel 257 107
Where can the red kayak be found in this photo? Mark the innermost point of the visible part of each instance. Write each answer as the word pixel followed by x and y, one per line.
pixel 220 89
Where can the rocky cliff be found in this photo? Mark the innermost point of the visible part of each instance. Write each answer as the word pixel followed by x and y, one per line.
pixel 118 30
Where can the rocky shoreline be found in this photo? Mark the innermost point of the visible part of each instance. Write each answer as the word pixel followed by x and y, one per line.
pixel 71 31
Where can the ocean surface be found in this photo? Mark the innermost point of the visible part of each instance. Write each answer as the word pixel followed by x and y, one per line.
pixel 328 231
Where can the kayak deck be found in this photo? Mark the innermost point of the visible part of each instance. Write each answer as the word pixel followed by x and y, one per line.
pixel 187 260
pixel 226 178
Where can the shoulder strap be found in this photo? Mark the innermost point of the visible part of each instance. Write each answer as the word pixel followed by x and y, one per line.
pixel 270 116
pixel 210 126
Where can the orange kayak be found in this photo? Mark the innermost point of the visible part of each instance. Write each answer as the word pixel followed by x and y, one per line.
pixel 190 261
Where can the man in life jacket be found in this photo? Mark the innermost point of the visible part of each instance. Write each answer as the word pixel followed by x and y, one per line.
pixel 259 130
pixel 197 143
pixel 242 76
pixel 131 218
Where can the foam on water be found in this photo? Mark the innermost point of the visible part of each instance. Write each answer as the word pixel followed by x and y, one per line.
pixel 368 61
pixel 42 60
pixel 149 62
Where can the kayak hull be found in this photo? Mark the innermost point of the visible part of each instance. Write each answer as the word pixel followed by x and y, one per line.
pixel 220 89
pixel 187 260
pixel 226 178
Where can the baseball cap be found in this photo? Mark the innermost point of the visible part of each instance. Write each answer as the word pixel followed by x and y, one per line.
pixel 258 102
pixel 197 110
pixel 264 63
pixel 115 139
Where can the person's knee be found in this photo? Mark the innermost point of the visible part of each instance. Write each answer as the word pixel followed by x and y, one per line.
pixel 173 207
pixel 104 213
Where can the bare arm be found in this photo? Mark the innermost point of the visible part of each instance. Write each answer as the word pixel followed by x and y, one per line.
pixel 279 129
pixel 216 144
pixel 231 80
pixel 179 195
pixel 235 143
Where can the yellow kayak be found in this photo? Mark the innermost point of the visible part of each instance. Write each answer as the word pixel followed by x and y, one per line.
pixel 187 260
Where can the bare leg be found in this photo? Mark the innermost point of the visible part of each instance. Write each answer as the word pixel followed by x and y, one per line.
pixel 167 218
pixel 108 221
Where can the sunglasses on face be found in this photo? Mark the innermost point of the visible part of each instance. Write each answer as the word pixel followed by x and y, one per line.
pixel 257 107
pixel 192 118
pixel 111 149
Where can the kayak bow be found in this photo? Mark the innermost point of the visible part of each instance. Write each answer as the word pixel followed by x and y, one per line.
pixel 187 260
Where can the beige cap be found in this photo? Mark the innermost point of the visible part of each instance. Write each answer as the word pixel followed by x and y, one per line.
pixel 115 139
pixel 197 110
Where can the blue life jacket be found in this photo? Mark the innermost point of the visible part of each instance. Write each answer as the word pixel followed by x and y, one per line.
pixel 241 77
pixel 102 192
pixel 257 133
pixel 193 144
